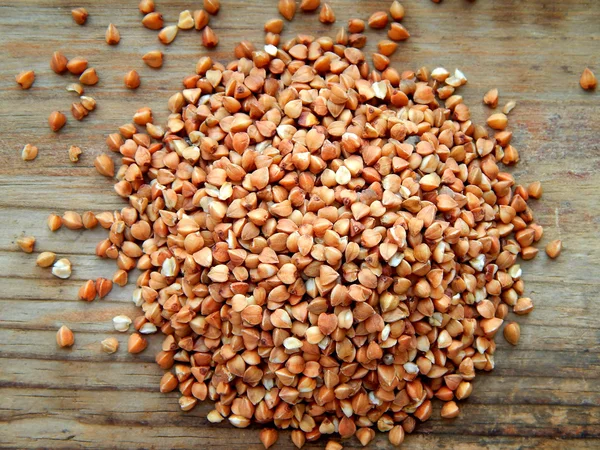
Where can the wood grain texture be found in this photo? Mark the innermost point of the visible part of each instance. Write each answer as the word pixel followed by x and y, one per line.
pixel 545 393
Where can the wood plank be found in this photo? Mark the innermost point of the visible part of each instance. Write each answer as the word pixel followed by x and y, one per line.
pixel 153 409
pixel 76 434
pixel 114 373
pixel 543 394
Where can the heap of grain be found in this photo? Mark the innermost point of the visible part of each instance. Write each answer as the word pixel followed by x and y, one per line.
pixel 324 248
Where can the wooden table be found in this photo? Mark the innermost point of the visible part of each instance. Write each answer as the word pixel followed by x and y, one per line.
pixel 544 393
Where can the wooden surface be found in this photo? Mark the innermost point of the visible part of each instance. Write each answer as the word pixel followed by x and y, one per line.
pixel 543 393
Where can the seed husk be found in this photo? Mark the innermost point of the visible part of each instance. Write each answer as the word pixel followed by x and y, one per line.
pixel 510 105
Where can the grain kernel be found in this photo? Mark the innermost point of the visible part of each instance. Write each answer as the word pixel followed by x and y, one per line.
pixel 309 5
pixel 87 292
pixel 450 410
pixel 209 38
pixel 512 333
pixel 62 268
pixel 378 20
pixel 186 21
pixel 398 33
pixel 397 11
pixel 287 8
pixel 45 259
pixel 121 323
pixel 212 6
pixel 26 243
pixel 497 121
pixel 588 80
pixel 77 65
pixel 65 337
pixel 25 79
pixel 54 222
pixel 491 98
pixel 29 152
pixel 74 153
pixel 153 59
pixel 56 121
pixel 89 77
pixel 326 15
pixel 58 62
pixel 268 437
pixel 112 35
pixel 79 15
pixel 132 80
pixel 105 165
pixel 153 21
pixel 554 248
pixel 110 345
pixel 168 34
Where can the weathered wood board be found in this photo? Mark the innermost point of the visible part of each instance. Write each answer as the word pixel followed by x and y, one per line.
pixel 544 393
